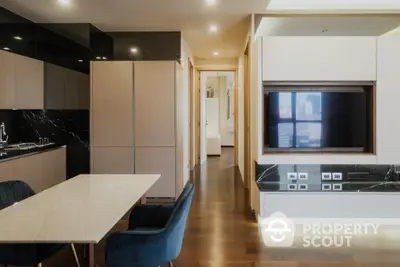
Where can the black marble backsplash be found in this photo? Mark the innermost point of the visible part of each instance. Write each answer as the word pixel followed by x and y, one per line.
pixel 66 127
pixel 349 173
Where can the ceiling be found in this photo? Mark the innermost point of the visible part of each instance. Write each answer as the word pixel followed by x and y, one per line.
pixel 193 17
pixel 328 25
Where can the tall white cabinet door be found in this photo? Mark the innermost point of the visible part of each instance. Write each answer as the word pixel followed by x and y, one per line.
pixel 387 100
pixel 112 160
pixel 157 160
pixel 29 83
pixel 112 103
pixel 7 80
pixel 154 103
pixel 327 58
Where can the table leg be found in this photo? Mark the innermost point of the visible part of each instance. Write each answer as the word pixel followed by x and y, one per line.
pixel 143 199
pixel 91 255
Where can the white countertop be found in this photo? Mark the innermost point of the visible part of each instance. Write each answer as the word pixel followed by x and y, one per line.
pixel 80 210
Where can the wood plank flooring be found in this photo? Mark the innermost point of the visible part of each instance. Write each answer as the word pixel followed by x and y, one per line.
pixel 221 232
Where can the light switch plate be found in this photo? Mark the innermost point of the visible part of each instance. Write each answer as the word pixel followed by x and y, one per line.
pixel 303 187
pixel 326 176
pixel 337 176
pixel 326 187
pixel 292 175
pixel 292 187
pixel 302 176
pixel 337 187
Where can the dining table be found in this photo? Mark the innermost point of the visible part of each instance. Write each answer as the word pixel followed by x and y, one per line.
pixel 81 210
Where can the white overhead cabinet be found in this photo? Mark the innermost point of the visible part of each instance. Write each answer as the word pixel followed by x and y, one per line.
pixel 136 122
pixel 21 82
pixel 65 88
pixel 308 58
pixel 387 100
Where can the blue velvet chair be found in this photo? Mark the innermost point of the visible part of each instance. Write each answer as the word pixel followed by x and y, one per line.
pixel 154 236
pixel 22 254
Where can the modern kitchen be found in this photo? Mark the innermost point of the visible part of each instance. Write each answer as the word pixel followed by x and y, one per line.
pixel 71 126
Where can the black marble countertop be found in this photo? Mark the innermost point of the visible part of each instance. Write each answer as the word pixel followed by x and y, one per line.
pixel 6 155
pixel 328 178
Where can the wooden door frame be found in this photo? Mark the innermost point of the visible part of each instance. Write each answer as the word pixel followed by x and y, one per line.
pixel 197 118
pixel 235 113
pixel 247 119
pixel 192 160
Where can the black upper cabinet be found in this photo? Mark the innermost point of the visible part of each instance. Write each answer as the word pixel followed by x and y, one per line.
pixel 68 45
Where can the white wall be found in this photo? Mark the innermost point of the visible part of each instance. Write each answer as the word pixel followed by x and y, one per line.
pixel 203 133
pixel 240 115
pixel 385 61
pixel 185 55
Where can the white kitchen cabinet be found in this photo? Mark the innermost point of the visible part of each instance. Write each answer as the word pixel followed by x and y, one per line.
pixel 29 83
pixel 157 160
pixel 54 167
pixel 65 88
pixel 112 103
pixel 387 100
pixel 71 89
pixel 21 82
pixel 112 160
pixel 40 171
pixel 30 170
pixel 7 80
pixel 154 90
pixel 310 58
pixel 137 122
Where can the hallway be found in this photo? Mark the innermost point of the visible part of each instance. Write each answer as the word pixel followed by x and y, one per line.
pixel 221 232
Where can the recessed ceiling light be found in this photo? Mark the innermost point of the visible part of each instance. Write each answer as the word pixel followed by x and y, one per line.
pixel 216 53
pixel 211 2
pixel 6 48
pixel 19 38
pixel 134 50
pixel 213 28
pixel 80 60
pixel 104 58
pixel 64 2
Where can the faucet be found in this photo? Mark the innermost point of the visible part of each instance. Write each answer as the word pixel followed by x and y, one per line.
pixel 3 134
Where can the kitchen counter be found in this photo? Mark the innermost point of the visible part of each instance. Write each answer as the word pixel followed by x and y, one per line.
pixel 15 154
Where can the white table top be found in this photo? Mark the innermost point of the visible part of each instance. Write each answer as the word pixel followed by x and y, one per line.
pixel 80 210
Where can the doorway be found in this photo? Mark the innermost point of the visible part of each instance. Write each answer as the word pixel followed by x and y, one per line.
pixel 218 106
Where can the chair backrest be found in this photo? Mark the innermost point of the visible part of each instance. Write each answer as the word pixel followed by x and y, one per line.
pixel 177 223
pixel 14 191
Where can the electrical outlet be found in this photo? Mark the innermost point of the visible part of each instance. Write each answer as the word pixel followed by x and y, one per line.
pixel 292 187
pixel 302 176
pixel 337 176
pixel 326 187
pixel 326 176
pixel 337 187
pixel 303 187
pixel 292 175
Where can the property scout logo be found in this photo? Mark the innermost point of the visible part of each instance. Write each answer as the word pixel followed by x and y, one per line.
pixel 279 231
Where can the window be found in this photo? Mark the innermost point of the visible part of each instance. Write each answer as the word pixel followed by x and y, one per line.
pixel 300 119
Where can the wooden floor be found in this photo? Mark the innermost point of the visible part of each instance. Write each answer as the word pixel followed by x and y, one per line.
pixel 221 232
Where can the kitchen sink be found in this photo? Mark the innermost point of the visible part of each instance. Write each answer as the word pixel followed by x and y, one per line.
pixel 25 146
